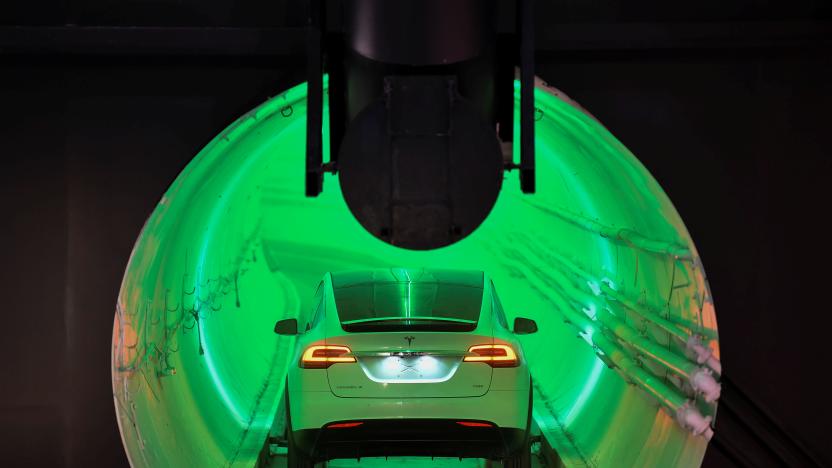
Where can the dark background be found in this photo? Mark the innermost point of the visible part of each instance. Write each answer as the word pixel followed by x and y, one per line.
pixel 726 102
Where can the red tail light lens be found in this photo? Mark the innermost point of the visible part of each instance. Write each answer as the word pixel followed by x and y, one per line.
pixel 474 424
pixel 344 425
pixel 323 356
pixel 495 355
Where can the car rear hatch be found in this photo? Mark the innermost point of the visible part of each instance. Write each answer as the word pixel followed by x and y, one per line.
pixel 409 364
pixel 409 330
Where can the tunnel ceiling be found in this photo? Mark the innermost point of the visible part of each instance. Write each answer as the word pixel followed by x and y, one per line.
pixel 625 363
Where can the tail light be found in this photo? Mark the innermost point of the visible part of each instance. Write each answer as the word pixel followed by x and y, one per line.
pixel 344 425
pixel 323 356
pixel 495 355
pixel 474 424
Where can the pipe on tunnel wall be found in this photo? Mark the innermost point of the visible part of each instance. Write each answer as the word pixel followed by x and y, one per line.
pixel 234 245
pixel 693 342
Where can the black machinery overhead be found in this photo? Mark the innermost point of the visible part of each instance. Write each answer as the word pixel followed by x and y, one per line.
pixel 421 111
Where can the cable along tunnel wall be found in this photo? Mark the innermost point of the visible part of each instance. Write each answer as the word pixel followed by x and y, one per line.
pixel 625 365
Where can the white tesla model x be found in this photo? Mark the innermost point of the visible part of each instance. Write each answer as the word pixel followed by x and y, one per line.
pixel 407 362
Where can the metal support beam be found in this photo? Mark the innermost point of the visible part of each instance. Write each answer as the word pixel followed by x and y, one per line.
pixel 291 41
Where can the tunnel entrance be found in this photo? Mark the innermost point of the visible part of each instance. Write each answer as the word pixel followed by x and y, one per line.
pixel 625 363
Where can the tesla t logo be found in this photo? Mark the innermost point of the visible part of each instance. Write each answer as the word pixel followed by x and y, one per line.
pixel 409 339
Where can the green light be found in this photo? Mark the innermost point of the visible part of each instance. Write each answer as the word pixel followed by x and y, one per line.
pixel 234 246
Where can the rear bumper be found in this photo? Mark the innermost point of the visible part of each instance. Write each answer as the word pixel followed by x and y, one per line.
pixel 410 437
pixel 503 408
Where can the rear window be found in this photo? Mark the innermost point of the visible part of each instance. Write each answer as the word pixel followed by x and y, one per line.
pixel 403 306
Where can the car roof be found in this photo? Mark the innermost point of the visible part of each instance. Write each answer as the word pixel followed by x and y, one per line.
pixel 345 279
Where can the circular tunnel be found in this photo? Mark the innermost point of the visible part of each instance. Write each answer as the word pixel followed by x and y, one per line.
pixel 625 365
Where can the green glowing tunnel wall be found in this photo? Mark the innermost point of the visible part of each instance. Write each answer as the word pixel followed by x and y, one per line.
pixel 234 245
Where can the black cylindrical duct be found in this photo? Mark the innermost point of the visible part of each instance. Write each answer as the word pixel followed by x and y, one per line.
pixel 419 32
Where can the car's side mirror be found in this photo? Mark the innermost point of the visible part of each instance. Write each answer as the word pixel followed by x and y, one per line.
pixel 524 326
pixel 286 327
